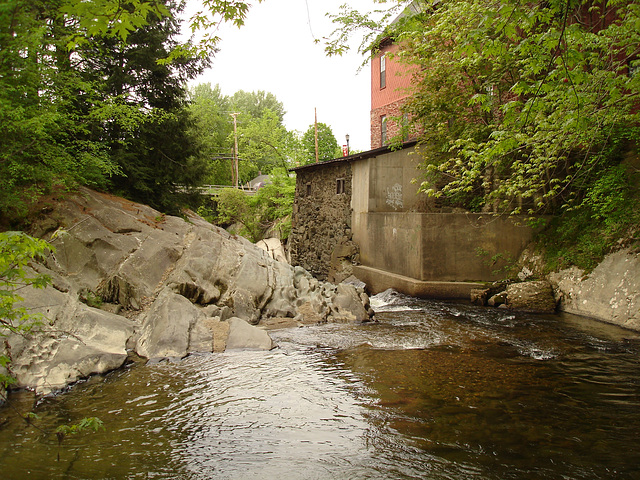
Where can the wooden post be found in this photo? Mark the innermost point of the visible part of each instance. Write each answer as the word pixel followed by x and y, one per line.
pixel 316 131
pixel 234 169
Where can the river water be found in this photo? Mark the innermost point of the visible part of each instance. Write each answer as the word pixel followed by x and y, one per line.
pixel 434 390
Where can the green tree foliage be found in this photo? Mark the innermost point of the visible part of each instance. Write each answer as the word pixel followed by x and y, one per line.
pixel 263 141
pixel 233 208
pixel 93 89
pixel 328 147
pixel 151 139
pixel 606 218
pixel 522 105
pixel 255 104
pixel 262 137
pixel 273 203
pixel 269 209
pixel 120 19
pixel 17 250
pixel 212 124
pixel 546 97
pixel 42 141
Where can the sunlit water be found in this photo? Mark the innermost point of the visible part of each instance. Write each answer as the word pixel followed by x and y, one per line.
pixel 433 390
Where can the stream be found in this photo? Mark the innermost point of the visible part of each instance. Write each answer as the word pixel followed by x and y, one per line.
pixel 433 390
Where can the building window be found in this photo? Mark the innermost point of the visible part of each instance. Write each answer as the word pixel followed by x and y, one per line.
pixel 383 130
pixel 308 189
pixel 383 71
pixel 340 186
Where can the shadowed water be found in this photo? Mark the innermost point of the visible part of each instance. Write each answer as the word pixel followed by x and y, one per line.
pixel 433 390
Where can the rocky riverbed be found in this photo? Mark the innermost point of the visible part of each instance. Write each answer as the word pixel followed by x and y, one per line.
pixel 128 280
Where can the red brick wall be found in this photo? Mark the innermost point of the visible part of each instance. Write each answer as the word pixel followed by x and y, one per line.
pixel 393 128
pixel 388 100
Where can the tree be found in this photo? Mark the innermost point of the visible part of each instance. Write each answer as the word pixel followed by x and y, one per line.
pixel 265 143
pixel 43 140
pixel 152 141
pixel 16 251
pixel 269 209
pixel 255 104
pixel 273 203
pixel 328 147
pixel 210 110
pixel 120 19
pixel 260 131
pixel 59 120
pixel 523 105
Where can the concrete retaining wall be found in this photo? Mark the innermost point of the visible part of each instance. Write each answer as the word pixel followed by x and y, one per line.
pixel 456 247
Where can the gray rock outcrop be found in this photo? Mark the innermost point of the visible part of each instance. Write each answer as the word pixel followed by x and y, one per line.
pixel 273 246
pixel 166 287
pixel 611 292
pixel 243 336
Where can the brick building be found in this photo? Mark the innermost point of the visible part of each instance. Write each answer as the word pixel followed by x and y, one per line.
pixel 390 87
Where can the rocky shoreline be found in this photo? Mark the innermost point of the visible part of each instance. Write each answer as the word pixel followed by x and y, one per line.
pixel 610 293
pixel 128 280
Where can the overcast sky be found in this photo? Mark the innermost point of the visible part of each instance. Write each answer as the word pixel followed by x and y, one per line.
pixel 275 51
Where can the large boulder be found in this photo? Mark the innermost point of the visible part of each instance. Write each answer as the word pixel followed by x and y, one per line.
pixel 167 325
pixel 243 336
pixel 611 292
pixel 169 286
pixel 533 297
pixel 347 305
pixel 273 246
pixel 73 342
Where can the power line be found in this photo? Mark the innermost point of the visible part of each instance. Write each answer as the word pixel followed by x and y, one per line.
pixel 309 20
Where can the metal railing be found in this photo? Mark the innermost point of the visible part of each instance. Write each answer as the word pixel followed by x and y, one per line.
pixel 214 190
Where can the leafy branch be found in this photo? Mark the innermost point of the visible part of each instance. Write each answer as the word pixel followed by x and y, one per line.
pixel 93 424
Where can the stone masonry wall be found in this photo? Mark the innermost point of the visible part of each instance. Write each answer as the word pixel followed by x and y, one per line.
pixel 321 216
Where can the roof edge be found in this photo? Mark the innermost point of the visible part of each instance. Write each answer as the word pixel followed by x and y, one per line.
pixel 358 156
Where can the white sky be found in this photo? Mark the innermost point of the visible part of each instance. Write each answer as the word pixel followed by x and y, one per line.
pixel 275 51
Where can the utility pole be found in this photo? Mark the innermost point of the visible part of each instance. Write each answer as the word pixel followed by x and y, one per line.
pixel 234 168
pixel 316 131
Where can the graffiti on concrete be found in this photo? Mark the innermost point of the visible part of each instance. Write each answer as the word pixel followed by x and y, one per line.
pixel 394 197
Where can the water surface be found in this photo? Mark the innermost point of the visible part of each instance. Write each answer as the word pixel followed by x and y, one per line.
pixel 434 390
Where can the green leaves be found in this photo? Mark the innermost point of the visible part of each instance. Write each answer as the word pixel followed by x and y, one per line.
pixel 17 250
pixel 328 147
pixel 85 85
pixel 92 424
pixel 109 17
pixel 270 207
pixel 531 94
pixel 208 21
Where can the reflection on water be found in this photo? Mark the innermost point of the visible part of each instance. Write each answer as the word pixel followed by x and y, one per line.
pixel 434 390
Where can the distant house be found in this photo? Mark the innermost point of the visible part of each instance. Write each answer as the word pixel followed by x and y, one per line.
pixel 259 182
